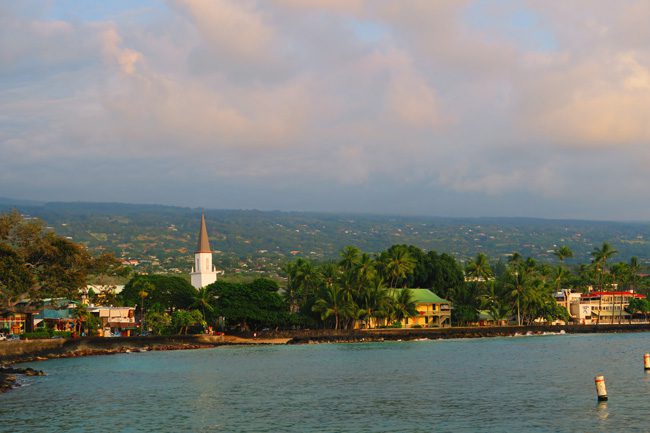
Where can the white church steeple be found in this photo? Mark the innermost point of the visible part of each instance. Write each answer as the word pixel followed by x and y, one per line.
pixel 203 273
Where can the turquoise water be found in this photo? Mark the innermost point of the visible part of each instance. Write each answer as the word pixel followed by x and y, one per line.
pixel 517 384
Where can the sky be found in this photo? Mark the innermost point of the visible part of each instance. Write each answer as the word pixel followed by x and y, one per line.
pixel 414 107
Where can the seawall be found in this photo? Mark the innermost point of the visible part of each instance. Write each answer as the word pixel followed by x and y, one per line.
pixel 458 332
pixel 27 350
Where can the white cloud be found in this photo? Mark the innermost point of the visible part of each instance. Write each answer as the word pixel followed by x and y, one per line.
pixel 283 92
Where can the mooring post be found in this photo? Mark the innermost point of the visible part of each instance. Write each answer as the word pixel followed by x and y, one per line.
pixel 601 390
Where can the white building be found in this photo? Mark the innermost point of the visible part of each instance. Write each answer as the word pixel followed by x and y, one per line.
pixel 203 272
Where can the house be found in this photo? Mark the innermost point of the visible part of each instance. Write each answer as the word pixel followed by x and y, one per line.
pixel 115 320
pixel 485 319
pixel 432 310
pixel 57 314
pixel 15 323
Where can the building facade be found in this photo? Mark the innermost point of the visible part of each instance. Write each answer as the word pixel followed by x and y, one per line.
pixel 432 310
pixel 603 307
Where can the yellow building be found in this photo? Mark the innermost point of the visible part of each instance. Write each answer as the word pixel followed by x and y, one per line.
pixel 432 310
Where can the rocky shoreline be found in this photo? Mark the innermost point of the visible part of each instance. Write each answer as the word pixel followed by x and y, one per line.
pixel 9 379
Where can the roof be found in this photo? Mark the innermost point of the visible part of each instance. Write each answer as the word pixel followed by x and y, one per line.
pixel 54 314
pixel 624 294
pixel 203 245
pixel 425 296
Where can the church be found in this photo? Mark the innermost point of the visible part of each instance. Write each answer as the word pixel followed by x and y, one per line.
pixel 203 272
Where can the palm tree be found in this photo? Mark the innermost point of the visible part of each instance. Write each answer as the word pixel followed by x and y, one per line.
pixel 634 269
pixel 404 305
pixel 80 313
pixel 375 300
pixel 143 293
pixel 335 302
pixel 494 303
pixel 479 269
pixel 563 253
pixel 398 263
pixel 600 257
pixel 202 300
pixel 303 279
pixel 559 274
pixel 350 256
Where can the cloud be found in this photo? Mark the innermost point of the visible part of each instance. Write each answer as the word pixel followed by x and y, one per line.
pixel 436 97
pixel 126 58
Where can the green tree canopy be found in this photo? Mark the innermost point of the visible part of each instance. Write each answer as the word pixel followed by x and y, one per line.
pixel 249 305
pixel 164 292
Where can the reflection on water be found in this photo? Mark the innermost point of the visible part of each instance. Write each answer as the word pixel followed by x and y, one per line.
pixel 538 383
pixel 602 411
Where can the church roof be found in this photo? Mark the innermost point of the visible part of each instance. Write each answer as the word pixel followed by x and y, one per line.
pixel 204 244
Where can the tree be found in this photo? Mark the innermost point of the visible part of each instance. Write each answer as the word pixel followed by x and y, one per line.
pixel 165 292
pixel 249 305
pixel 16 280
pixel 158 321
pixel 479 269
pixel 637 305
pixel 80 314
pixel 203 300
pixel 495 302
pixel 183 319
pixel 404 305
pixel 563 253
pixel 634 270
pixel 334 302
pixel 37 263
pixel 599 259
pixel 397 264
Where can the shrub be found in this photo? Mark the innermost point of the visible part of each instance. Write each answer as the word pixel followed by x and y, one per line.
pixel 64 334
pixel 35 335
pixel 416 326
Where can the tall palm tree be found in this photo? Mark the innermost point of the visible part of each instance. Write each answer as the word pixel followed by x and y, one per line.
pixel 559 274
pixel 202 300
pixel 80 314
pixel 375 300
pixel 334 302
pixel 398 264
pixel 479 269
pixel 600 257
pixel 350 256
pixel 404 305
pixel 562 254
pixel 634 268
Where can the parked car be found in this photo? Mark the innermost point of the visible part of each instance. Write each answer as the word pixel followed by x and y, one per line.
pixel 3 337
pixel 13 337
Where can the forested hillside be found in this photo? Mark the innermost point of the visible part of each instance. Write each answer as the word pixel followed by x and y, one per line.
pixel 162 238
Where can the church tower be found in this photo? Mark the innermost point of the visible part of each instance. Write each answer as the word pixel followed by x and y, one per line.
pixel 203 273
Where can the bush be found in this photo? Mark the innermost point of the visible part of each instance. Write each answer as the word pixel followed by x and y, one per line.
pixel 396 325
pixel 416 326
pixel 64 334
pixel 35 335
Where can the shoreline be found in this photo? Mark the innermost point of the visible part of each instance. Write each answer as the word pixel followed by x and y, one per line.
pixel 40 350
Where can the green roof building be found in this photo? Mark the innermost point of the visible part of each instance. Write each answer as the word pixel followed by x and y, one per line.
pixel 432 310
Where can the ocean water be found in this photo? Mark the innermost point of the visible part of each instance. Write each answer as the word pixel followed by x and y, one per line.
pixel 516 384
